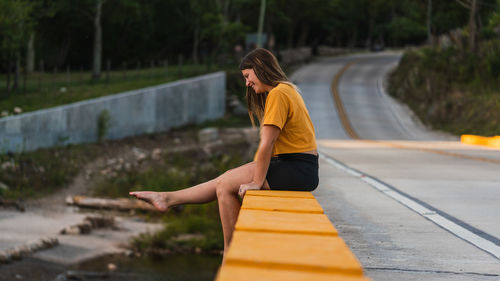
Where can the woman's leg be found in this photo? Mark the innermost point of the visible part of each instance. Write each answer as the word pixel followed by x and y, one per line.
pixel 224 188
pixel 227 188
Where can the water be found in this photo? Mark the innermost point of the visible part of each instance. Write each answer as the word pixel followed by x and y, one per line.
pixel 179 268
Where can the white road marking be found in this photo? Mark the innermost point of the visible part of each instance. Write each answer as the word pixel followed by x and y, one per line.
pixel 431 215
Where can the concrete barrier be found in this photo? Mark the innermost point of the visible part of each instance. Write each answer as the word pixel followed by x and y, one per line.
pixel 493 142
pixel 284 235
pixel 148 110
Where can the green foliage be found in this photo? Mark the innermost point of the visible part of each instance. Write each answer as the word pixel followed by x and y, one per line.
pixel 15 24
pixel 403 29
pixel 202 220
pixel 103 124
pixel 178 170
pixel 49 94
pixel 39 173
pixel 452 89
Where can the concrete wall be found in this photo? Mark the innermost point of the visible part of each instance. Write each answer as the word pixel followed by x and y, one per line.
pixel 147 110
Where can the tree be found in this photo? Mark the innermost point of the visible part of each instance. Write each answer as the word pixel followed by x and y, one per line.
pixel 15 25
pixel 97 53
pixel 40 9
pixel 472 6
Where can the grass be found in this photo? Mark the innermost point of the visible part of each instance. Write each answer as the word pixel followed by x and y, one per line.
pixel 42 172
pixel 176 171
pixel 44 90
pixel 194 219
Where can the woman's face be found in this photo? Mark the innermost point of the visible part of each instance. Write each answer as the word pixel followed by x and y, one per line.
pixel 251 80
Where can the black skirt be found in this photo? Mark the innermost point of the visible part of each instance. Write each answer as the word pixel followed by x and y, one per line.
pixel 293 171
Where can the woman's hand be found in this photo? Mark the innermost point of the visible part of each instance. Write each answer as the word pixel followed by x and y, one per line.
pixel 247 186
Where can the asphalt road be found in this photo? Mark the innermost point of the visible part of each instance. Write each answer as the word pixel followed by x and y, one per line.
pixel 411 203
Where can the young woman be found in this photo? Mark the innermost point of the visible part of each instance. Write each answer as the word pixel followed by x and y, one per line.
pixel 286 159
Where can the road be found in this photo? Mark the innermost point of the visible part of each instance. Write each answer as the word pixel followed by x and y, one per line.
pixel 411 203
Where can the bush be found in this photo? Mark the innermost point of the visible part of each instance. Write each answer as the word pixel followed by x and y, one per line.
pixel 452 89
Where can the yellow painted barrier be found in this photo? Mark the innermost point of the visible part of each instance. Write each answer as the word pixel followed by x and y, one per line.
pixel 269 221
pixel 280 193
pixel 284 204
pixel 252 273
pixel 284 235
pixel 493 142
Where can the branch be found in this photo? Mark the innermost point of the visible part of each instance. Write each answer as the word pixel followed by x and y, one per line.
pixel 467 4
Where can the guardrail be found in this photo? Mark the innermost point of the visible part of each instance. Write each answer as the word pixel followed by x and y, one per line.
pixel 285 235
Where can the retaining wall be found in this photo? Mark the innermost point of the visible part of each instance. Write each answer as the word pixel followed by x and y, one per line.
pixel 148 110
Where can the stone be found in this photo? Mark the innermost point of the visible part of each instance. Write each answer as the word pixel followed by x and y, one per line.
pixel 3 186
pixel 139 154
pixel 4 258
pixel 111 162
pixel 111 267
pixel 71 230
pixel 8 165
pixel 208 135
pixel 156 154
pixel 236 106
pixel 18 110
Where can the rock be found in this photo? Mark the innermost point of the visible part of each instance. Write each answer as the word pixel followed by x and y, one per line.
pixel 17 110
pixel 251 134
pixel 85 227
pixel 111 267
pixel 188 237
pixel 127 166
pixel 71 230
pixel 139 154
pixel 4 113
pixel 18 276
pixel 15 254
pixel 208 135
pixel 8 165
pixel 444 41
pixel 156 154
pixel 100 222
pixel 118 167
pixel 111 162
pixel 3 186
pixel 61 277
pixel 49 242
pixel 4 258
pixel 236 106
pixel 63 90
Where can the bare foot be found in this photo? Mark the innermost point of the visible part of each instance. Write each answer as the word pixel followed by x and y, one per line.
pixel 157 199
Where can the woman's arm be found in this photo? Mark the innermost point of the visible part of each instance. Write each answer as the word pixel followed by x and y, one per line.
pixel 269 134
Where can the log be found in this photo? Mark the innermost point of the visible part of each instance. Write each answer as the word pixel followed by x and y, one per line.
pixel 122 204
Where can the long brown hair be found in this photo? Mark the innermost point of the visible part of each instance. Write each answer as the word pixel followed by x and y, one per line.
pixel 268 71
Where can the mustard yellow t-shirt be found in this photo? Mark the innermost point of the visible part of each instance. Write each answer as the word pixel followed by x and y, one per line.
pixel 286 110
